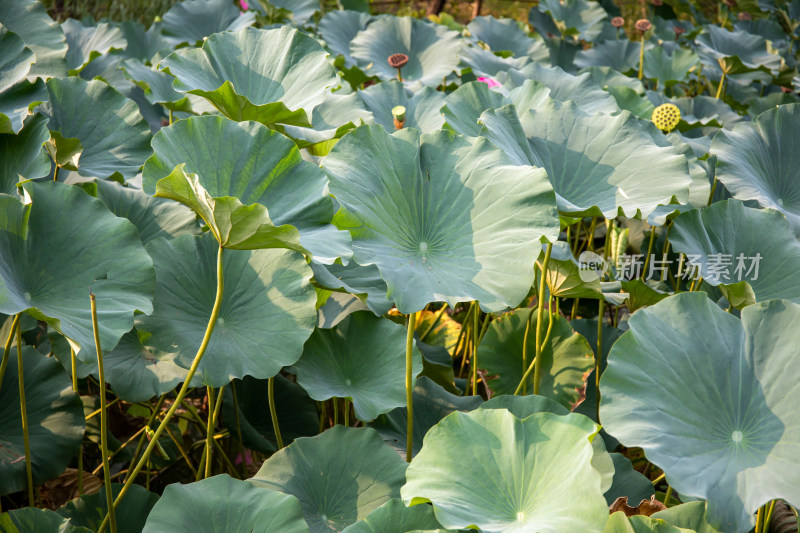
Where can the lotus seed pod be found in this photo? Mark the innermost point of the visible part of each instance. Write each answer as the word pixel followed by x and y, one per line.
pixel 398 60
pixel 399 117
pixel 666 117
pixel 618 22
pixel 643 25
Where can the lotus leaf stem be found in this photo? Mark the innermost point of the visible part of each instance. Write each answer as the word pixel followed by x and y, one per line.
pixel 7 348
pixel 152 418
pixel 435 321
pixel 182 392
pixel 537 369
pixel 24 413
pixel 273 413
pixel 476 333
pixel 412 320
pixel 346 410
pixel 103 416
pixel 74 363
pixel 668 496
pixel 239 424
pixel 649 251
pixel 524 382
pixel 209 432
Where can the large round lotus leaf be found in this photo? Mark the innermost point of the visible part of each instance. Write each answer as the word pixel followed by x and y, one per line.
pixel 432 49
pixel 41 34
pixel 362 358
pixel 267 308
pixel 431 404
pixel 760 161
pixel 65 244
pixel 691 515
pixel 55 421
pixel 223 504
pixel 340 476
pixel 189 21
pixel 622 55
pixel 720 427
pixel 112 133
pixel 741 50
pixel 336 115
pixel 422 107
pixel 442 217
pixel 566 356
pixel 249 162
pixel 509 474
pixel 153 217
pixel 297 413
pixel 90 509
pixel 731 243
pixel 628 482
pixel 503 35
pixel 16 103
pixel 587 94
pixel 355 279
pixel 269 76
pixel 600 164
pixel 669 67
pixel 619 523
pixel 15 59
pixel 337 29
pixel 22 156
pixel 485 63
pixel 578 18
pixel 157 85
pixel 87 41
pixel 31 520
pixel 394 517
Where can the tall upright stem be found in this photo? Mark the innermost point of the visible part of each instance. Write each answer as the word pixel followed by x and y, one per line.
pixel 103 417
pixel 7 348
pixel 273 413
pixel 476 333
pixel 209 432
pixel 641 59
pixel 537 369
pixel 212 320
pixel 74 363
pixel 412 321
pixel 24 412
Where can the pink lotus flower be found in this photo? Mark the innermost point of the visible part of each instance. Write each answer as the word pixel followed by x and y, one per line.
pixel 491 82
pixel 245 5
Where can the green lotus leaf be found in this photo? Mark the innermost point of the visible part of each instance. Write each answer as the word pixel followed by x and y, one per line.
pixel 237 163
pixel 431 404
pixel 55 421
pixel 31 519
pixel 432 50
pixel 619 523
pixel 87 41
pixel 442 331
pixel 269 76
pixel 17 102
pixel 628 483
pixel 757 161
pixel 541 477
pixel 622 55
pixel 114 136
pixel 301 11
pixel 578 18
pixel 738 431
pixel 157 85
pixel 690 515
pixel 463 107
pixel 297 413
pixel 739 50
pixel 394 517
pixel 437 364
pixel 607 77
pixel 598 165
pixel 144 43
pixel 504 34
pixel 153 217
pixel 355 279
pixel 339 113
pixel 581 88
pixel 189 21
pixel 485 63
pixel 669 68
pixel 566 357
pixel 564 276
pixel 16 59
pixel 426 210
pixel 22 156
pixel 267 308
pixel 699 111
pixel 730 243
pixel 48 267
pixel 422 107
pixel 340 476
pixel 90 509
pixel 43 35
pixel 362 358
pixel 337 29
pixel 222 503
pixel 337 307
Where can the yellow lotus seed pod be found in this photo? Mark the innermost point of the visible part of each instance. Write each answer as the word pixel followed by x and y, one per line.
pixel 666 117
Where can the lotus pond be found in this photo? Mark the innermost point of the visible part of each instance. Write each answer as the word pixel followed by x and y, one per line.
pixel 267 268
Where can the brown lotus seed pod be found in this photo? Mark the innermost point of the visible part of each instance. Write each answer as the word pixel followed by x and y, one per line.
pixel 398 60
pixel 678 30
pixel 744 15
pixel 618 22
pixel 643 25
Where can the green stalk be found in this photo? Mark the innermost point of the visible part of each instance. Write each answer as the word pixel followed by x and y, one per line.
pixel 649 251
pixel 525 353
pixel 599 356
pixel 537 369
pixel 273 413
pixel 436 319
pixel 103 416
pixel 722 79
pixel 7 348
pixel 574 308
pixel 412 320
pixel 239 425
pixel 182 392
pixel 75 388
pixel 24 412
pixel 668 496
pixel 641 59
pixel 153 415
pixel 335 411
pixel 476 333
pixel 209 432
pixel 346 407
pixel 527 373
